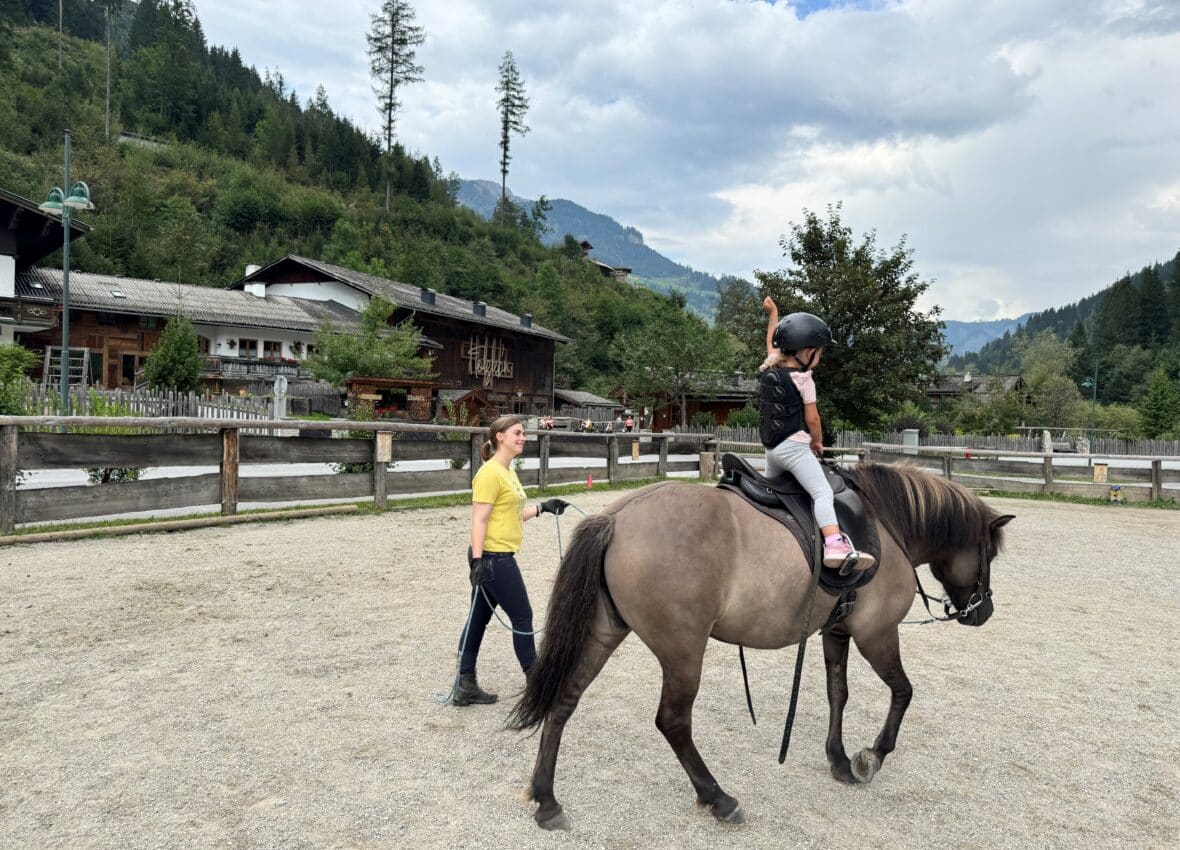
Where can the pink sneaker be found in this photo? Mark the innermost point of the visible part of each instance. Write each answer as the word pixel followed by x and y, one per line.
pixel 836 553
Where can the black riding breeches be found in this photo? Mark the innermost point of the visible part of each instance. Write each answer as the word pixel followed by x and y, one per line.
pixel 506 589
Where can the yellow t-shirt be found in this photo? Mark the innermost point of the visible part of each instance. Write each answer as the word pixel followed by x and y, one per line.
pixel 499 487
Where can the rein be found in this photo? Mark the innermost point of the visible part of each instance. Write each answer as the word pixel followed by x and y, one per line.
pixel 980 595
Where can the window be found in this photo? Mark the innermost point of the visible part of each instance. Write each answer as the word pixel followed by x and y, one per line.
pixel 520 407
pixel 148 323
pixel 247 348
pixel 202 344
pixel 272 349
pixel 109 319
pixel 117 293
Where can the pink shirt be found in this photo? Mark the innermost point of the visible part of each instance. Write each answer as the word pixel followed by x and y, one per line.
pixel 806 386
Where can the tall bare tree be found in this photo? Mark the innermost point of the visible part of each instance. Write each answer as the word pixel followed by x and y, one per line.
pixel 513 104
pixel 110 8
pixel 392 42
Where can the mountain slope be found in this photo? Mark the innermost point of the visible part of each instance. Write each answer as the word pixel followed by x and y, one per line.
pixel 967 337
pixel 614 244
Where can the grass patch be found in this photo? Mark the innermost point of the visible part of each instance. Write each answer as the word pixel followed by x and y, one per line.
pixel 449 500
pixel 1164 504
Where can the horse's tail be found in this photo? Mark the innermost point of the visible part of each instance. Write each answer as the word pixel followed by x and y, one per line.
pixel 567 623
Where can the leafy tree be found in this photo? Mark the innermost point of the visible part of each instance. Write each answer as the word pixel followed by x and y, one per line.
pixel 392 42
pixel 886 350
pixel 1057 402
pixel 1160 406
pixel 375 350
pixel 673 356
pixel 513 104
pixel 175 364
pixel 1042 357
pixel 15 363
pixel 738 311
pixel 1123 373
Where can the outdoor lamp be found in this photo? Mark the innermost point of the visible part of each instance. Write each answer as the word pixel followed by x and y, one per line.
pixel 53 202
pixel 79 198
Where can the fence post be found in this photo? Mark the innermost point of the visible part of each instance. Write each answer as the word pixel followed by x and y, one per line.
pixel 708 460
pixel 662 463
pixel 476 459
pixel 1047 466
pixel 948 463
pixel 8 473
pixel 230 443
pixel 1157 480
pixel 382 455
pixel 612 459
pixel 543 471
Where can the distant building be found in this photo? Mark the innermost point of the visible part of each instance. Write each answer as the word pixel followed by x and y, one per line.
pixel 617 272
pixel 981 387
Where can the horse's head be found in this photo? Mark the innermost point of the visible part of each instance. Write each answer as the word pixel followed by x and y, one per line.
pixel 966 574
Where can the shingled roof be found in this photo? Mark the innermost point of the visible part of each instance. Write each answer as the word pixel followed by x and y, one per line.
pixel 201 304
pixel 409 297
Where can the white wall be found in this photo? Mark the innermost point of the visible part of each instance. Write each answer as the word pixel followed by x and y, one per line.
pixel 219 336
pixel 7 276
pixel 330 290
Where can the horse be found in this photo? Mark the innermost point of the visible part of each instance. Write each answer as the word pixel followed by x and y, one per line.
pixel 678 563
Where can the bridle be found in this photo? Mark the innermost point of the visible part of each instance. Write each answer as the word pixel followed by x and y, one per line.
pixel 979 594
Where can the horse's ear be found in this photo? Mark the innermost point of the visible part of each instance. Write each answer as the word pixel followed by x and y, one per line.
pixel 1002 520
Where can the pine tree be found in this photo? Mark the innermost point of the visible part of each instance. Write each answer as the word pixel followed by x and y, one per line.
pixel 175 364
pixel 513 104
pixel 1160 406
pixel 392 43
pixel 1174 300
pixel 1154 321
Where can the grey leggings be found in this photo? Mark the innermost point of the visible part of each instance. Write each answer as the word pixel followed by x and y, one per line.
pixel 797 459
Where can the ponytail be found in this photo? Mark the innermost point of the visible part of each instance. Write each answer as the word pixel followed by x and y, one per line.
pixel 498 427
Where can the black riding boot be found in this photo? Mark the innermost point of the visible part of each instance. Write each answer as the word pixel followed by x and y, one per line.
pixel 470 693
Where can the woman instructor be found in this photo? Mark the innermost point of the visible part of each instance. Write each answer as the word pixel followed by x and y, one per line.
pixel 498 514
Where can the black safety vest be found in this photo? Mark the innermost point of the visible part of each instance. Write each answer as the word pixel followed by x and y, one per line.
pixel 780 406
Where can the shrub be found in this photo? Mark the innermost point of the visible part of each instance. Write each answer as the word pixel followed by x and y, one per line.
pixel 743 417
pixel 703 419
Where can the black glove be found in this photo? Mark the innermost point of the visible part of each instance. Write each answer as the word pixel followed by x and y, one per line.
pixel 552 506
pixel 481 573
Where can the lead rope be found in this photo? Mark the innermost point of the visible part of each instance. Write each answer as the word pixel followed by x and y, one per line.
pixel 448 698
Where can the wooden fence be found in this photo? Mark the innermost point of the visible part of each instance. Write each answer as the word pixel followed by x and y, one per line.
pixel 1034 472
pixel 44 400
pixel 34 443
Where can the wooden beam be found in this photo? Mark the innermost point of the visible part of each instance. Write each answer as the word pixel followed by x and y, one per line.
pixel 1157 480
pixel 9 436
pixel 662 464
pixel 230 445
pixel 1047 473
pixel 612 459
pixel 543 471
pixel 382 455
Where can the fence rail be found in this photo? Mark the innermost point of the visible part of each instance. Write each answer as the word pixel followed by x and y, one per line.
pixel 49 442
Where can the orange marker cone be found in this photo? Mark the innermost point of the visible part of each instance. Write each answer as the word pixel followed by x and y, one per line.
pixel 590 481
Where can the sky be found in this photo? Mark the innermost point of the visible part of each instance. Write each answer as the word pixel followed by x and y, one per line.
pixel 1027 150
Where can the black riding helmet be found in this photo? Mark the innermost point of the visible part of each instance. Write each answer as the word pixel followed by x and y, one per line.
pixel 801 330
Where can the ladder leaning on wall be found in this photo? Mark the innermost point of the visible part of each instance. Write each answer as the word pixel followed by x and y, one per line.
pixel 78 360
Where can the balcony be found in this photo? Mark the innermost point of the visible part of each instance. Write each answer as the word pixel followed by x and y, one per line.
pixel 248 367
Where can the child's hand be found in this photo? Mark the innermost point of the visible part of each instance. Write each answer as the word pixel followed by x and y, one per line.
pixel 768 304
pixel 818 448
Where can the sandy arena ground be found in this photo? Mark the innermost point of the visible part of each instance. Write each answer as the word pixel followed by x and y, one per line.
pixel 273 686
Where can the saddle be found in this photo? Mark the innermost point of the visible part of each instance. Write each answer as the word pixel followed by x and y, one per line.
pixel 783 499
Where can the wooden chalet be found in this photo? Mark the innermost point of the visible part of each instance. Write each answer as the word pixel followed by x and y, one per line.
pixel 263 325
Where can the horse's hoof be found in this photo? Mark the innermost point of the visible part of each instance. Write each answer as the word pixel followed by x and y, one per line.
pixel 554 822
pixel 735 817
pixel 865 765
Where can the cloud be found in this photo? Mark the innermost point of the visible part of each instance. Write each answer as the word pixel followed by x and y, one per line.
pixel 1026 147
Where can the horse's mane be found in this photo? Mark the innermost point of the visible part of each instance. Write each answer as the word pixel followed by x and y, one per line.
pixel 922 506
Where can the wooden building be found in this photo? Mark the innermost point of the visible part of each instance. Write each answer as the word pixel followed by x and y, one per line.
pixel 507 357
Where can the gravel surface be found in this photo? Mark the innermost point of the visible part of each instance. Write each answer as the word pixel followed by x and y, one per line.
pixel 273 686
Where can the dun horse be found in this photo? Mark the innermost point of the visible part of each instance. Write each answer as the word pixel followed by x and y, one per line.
pixel 679 564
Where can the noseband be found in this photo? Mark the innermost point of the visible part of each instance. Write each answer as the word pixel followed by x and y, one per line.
pixel 980 594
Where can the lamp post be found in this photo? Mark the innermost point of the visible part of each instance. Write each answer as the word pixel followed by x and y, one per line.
pixel 1092 385
pixel 57 203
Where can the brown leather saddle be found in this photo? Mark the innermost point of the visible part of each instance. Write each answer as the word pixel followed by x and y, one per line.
pixel 783 499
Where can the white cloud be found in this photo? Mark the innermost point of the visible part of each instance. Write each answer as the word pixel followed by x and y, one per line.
pixel 1027 147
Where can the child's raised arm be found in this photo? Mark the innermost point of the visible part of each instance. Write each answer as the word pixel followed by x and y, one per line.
pixel 770 307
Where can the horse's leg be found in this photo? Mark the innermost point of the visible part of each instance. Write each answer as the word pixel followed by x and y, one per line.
pixel 682 680
pixel 604 638
pixel 884 656
pixel 836 661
